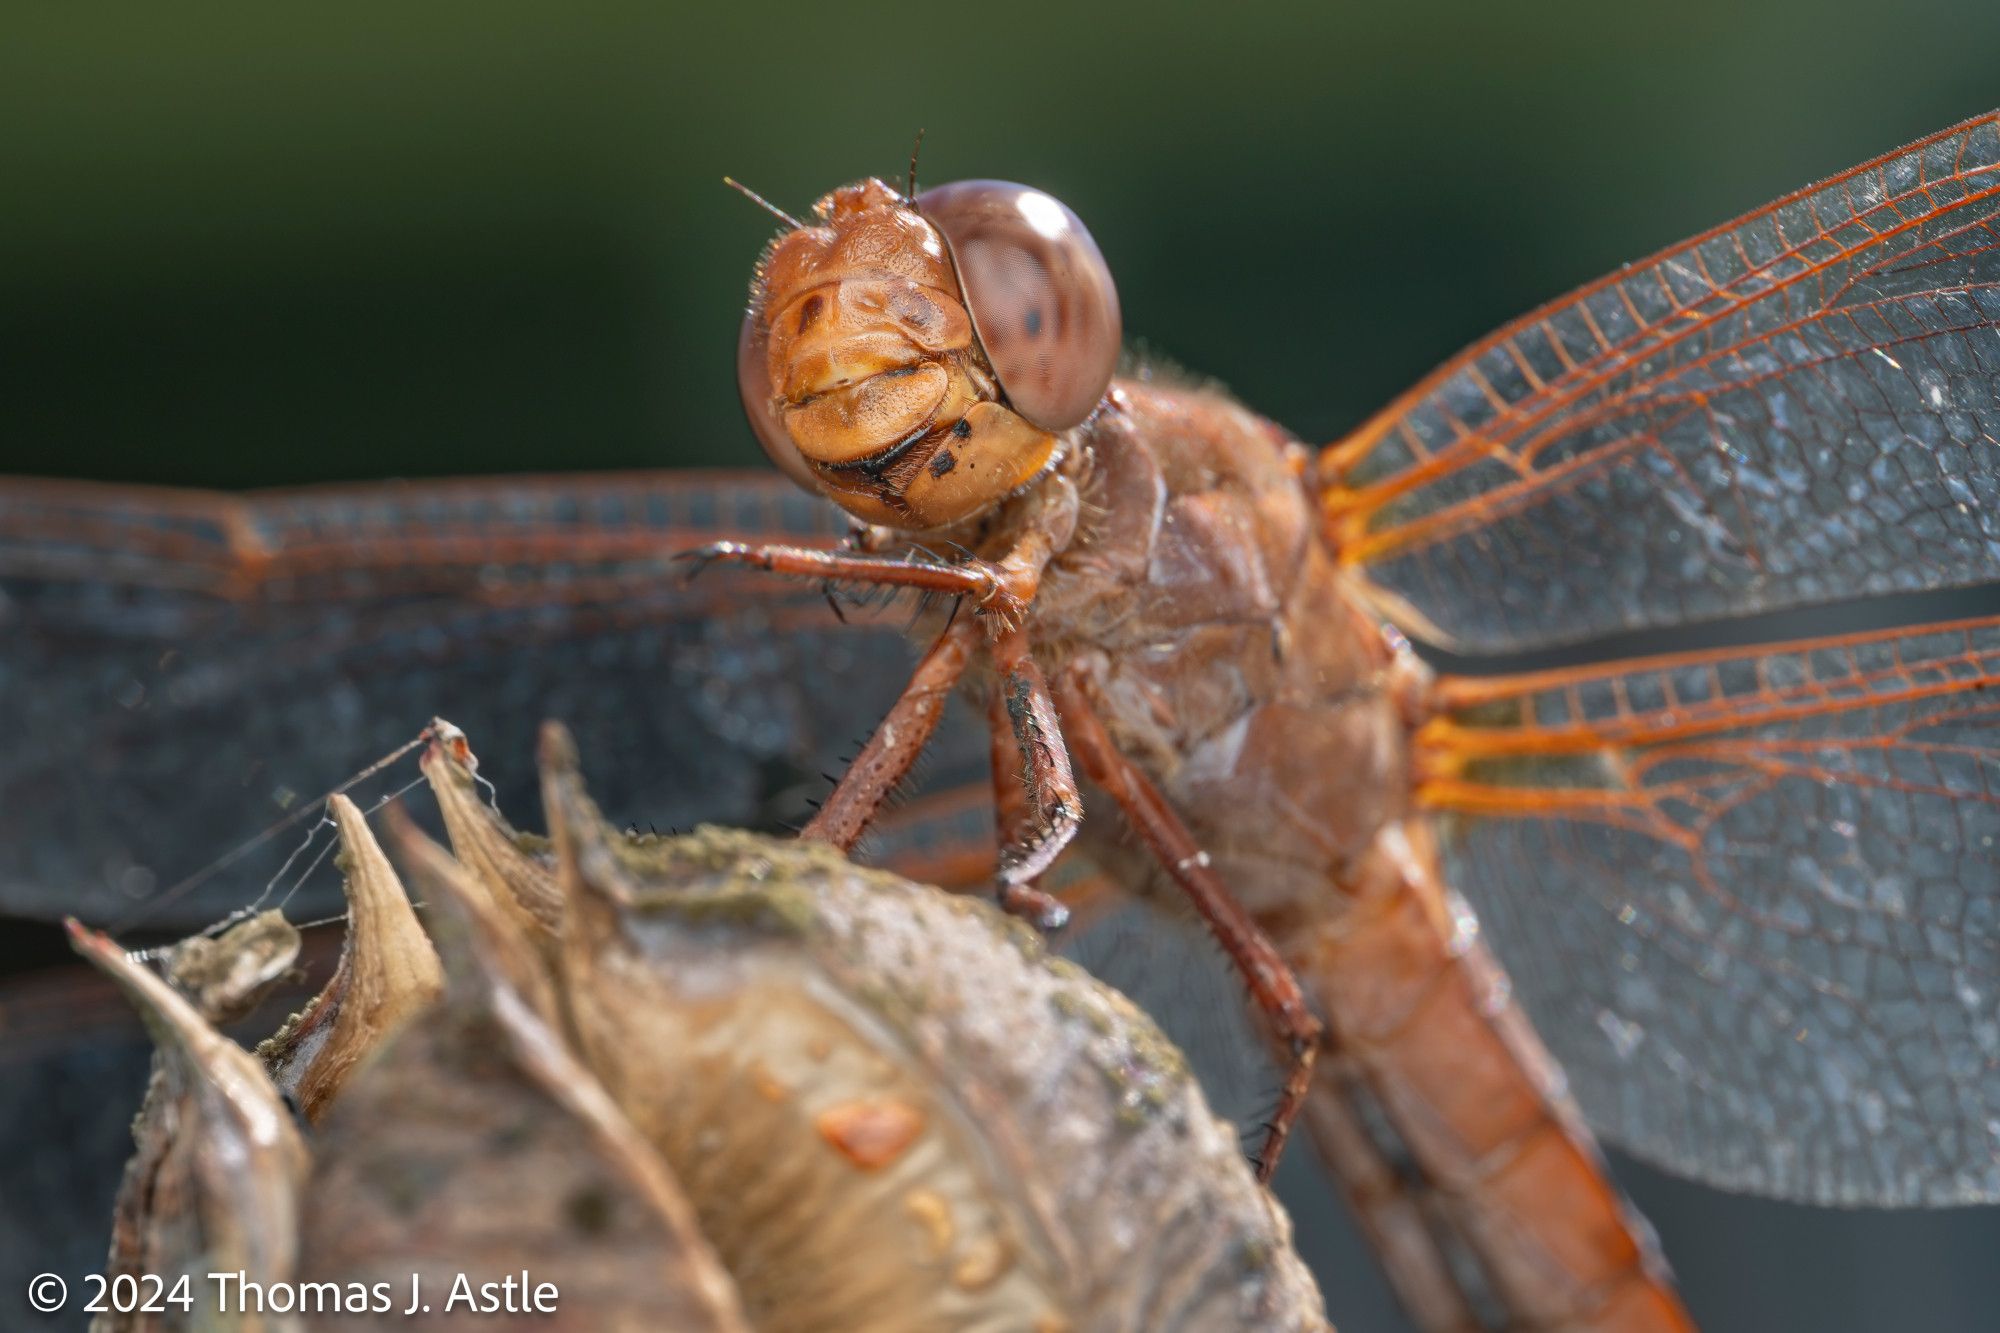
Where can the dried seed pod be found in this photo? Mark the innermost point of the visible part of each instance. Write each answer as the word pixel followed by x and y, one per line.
pixel 213 1186
pixel 728 1083
pixel 387 973
pixel 226 976
pixel 476 1144
pixel 892 1108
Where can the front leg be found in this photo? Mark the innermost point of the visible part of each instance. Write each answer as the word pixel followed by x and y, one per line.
pixel 995 588
pixel 1003 589
pixel 1273 987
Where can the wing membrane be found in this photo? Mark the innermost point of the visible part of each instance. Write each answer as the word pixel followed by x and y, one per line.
pixel 1752 901
pixel 178 670
pixel 1797 407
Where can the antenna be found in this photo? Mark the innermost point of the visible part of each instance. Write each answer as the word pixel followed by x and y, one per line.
pixel 911 193
pixel 763 203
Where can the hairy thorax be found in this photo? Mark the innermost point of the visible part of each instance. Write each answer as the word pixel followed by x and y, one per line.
pixel 1234 662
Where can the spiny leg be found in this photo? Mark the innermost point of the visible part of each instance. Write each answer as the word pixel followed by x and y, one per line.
pixel 1037 805
pixel 1013 816
pixel 1273 987
pixel 1013 812
pixel 887 757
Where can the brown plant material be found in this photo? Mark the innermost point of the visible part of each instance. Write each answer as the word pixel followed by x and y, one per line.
pixel 719 1083
pixel 213 1186
pixel 499 857
pixel 226 975
pixel 387 974
pixel 477 1144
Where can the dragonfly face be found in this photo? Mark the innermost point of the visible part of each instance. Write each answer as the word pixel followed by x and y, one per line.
pixel 917 359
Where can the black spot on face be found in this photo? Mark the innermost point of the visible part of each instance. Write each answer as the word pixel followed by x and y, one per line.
pixel 942 462
pixel 810 312
pixel 1034 322
pixel 962 428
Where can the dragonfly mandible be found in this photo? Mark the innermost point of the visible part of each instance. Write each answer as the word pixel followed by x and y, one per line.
pixel 1745 894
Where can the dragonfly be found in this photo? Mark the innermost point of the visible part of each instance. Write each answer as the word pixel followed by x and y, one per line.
pixel 1742 895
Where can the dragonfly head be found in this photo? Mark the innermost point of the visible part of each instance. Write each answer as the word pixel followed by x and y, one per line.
pixel 918 360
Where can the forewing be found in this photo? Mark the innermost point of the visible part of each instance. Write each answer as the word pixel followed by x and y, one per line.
pixel 1749 898
pixel 1797 407
pixel 179 670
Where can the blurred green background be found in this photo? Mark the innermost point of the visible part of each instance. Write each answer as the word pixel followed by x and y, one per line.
pixel 266 245
pixel 260 246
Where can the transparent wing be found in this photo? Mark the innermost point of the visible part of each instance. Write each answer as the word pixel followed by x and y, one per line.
pixel 1797 407
pixel 179 670
pixel 1752 901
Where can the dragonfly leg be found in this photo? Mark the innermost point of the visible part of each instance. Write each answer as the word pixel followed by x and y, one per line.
pixel 886 759
pixel 991 587
pixel 1002 588
pixel 1036 802
pixel 1013 816
pixel 1273 987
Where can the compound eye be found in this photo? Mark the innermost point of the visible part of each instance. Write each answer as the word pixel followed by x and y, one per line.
pixel 760 406
pixel 1040 295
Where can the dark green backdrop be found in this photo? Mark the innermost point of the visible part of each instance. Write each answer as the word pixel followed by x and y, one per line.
pixel 246 246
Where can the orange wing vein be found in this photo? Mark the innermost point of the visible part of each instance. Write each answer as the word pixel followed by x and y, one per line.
pixel 1796 407
pixel 1752 900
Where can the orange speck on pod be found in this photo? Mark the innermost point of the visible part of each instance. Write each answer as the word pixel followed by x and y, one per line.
pixel 933 1214
pixel 871 1133
pixel 981 1265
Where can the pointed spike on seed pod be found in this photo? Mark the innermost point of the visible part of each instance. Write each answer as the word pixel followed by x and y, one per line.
pixel 396 971
pixel 450 738
pixel 388 973
pixel 596 893
pixel 585 867
pixel 215 1142
pixel 485 948
pixel 556 749
pixel 484 843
